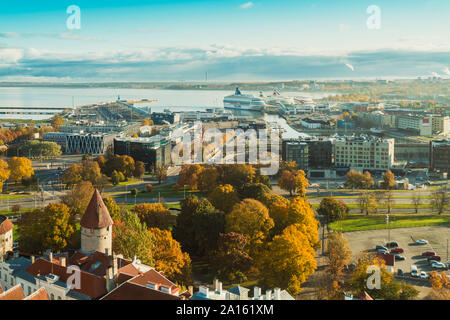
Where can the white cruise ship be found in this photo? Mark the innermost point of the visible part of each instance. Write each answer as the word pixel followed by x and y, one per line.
pixel 243 102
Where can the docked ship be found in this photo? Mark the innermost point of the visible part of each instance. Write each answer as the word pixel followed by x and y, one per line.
pixel 241 101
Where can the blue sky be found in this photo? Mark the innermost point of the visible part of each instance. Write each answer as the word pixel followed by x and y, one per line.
pixel 232 40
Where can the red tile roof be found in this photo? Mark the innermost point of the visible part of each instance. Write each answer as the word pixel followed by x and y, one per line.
pixel 98 263
pixel 5 225
pixel 91 285
pixel 135 288
pixel 15 293
pixel 40 294
pixel 96 215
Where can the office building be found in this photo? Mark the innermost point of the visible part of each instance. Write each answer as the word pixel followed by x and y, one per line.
pixel 364 152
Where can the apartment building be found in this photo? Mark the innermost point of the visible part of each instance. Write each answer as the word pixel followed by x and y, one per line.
pixel 79 143
pixel 368 153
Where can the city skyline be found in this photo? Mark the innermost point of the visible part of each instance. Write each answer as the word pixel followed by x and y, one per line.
pixel 233 40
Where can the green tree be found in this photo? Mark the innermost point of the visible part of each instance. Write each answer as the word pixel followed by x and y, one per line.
pixel 231 261
pixel 113 208
pixel 332 210
pixel 131 238
pixel 139 169
pixel 78 197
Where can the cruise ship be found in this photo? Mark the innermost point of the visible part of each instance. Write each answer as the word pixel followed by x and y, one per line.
pixel 241 101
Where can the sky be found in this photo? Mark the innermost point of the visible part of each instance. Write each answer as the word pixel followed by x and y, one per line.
pixel 153 40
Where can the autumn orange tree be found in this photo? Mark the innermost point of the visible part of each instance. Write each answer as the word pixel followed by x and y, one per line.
pixel 57 121
pixel 389 289
pixel 20 168
pixel 294 181
pixel 251 219
pixel 288 261
pixel 223 198
pixel 113 208
pixel 154 215
pixel 188 176
pixel 58 226
pixel 332 209
pixel 388 180
pixel 441 286
pixel 168 257
pixel 78 197
pixel 4 173
pixel 339 254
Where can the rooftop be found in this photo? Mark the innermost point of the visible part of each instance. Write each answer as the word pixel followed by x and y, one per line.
pixel 96 215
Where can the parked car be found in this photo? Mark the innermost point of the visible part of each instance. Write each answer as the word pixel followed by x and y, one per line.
pixel 379 246
pixel 398 257
pixel 428 254
pixel 392 244
pixel 421 241
pixel 439 265
pixel 434 258
pixel 383 251
pixel 414 271
pixel 397 250
pixel 423 275
pixel 400 272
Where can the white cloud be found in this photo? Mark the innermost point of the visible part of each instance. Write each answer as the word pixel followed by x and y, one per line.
pixel 247 5
pixel 350 66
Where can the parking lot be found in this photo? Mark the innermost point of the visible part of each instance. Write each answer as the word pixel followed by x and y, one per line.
pixel 365 241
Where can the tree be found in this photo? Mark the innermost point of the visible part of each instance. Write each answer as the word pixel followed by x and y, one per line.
pixel 255 191
pixel 41 148
pixel 78 197
pixel 115 178
pixel 367 202
pixel 416 200
pixel 149 188
pixel 31 229
pixel 131 238
pixel 367 180
pixel 189 175
pixel 208 179
pixel 198 226
pixel 332 210
pixel 389 289
pixel 168 257
pixel 113 208
pixel 439 199
pixel 223 198
pixel 441 286
pixel 20 168
pixel 236 174
pixel 251 219
pixel 288 261
pixel 161 173
pixel 4 173
pixel 58 226
pixel 388 199
pixel 57 121
pixel 388 180
pixel 338 253
pixel 231 260
pixel 87 170
pixel 139 169
pixel 294 181
pixel 124 164
pixel 154 215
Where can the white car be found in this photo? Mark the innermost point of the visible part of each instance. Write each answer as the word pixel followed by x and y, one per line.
pixel 421 241
pixel 439 265
pixel 423 275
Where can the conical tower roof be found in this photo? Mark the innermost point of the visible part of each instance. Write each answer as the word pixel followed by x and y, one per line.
pixel 96 215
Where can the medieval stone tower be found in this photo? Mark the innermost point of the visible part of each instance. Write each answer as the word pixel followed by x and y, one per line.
pixel 96 227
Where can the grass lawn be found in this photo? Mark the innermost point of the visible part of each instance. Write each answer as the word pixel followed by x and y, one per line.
pixel 167 191
pixel 384 206
pixel 362 222
pixel 14 196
